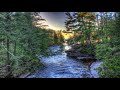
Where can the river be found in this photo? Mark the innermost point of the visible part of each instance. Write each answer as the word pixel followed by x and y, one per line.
pixel 61 66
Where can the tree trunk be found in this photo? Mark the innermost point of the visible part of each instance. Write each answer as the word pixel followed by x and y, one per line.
pixel 8 57
pixel 14 48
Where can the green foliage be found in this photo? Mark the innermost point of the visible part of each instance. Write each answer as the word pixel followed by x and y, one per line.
pixel 108 51
pixel 102 51
pixel 111 68
pixel 106 32
pixel 26 42
pixel 85 49
pixel 55 38
pixel 82 23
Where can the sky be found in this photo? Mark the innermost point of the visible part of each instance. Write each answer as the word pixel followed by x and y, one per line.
pixel 55 20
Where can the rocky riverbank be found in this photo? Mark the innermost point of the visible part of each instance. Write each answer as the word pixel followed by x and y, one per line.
pixel 75 52
pixel 59 65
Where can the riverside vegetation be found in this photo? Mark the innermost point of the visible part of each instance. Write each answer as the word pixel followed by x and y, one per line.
pixel 24 37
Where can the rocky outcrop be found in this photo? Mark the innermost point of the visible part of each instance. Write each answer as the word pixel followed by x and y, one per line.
pixel 85 58
pixel 74 52
pixel 93 68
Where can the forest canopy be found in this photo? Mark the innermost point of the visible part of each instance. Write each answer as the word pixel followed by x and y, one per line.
pixel 23 37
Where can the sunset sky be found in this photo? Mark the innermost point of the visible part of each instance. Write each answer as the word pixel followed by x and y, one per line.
pixel 55 20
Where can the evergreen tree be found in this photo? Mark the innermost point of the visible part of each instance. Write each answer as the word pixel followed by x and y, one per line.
pixel 20 42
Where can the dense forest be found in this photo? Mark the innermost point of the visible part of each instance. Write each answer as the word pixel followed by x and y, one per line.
pixel 99 34
pixel 23 37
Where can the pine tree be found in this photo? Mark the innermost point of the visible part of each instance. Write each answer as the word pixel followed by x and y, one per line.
pixel 69 21
pixel 21 41
pixel 6 29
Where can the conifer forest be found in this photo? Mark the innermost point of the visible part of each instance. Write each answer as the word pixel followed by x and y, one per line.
pixel 59 44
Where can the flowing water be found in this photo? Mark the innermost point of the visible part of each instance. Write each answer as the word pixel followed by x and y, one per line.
pixel 61 66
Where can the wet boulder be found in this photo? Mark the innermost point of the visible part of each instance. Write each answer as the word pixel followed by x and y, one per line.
pixel 94 68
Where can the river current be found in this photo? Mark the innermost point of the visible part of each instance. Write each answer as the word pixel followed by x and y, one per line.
pixel 59 65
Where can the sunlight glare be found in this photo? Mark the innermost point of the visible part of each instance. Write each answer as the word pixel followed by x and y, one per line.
pixel 67 47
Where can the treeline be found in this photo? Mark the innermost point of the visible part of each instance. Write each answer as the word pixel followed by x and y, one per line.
pixel 57 37
pixel 98 34
pixel 22 38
